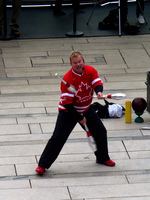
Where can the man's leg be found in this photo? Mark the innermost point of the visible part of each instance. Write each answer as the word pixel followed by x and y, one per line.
pixel 124 11
pixel 99 133
pixel 139 11
pixel 64 125
pixel 16 7
pixel 140 7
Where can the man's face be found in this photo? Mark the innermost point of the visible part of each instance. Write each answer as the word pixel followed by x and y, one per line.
pixel 77 64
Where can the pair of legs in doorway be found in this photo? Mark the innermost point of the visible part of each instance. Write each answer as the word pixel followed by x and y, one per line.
pixel 16 7
pixel 139 10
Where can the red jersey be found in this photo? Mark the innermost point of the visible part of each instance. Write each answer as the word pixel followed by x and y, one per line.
pixel 84 84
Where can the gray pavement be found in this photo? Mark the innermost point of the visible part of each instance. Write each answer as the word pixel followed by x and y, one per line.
pixel 29 96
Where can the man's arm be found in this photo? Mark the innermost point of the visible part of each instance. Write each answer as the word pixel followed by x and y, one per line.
pixel 98 90
pixel 71 109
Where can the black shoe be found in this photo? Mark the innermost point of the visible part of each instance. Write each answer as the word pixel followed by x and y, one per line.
pixel 130 29
pixel 16 33
pixel 58 12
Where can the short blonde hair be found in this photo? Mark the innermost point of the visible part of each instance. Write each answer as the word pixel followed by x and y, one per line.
pixel 75 54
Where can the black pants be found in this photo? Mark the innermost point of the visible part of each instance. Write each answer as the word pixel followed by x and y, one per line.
pixel 140 7
pixel 124 11
pixel 64 126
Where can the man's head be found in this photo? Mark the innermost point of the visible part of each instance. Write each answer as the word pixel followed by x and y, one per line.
pixel 77 62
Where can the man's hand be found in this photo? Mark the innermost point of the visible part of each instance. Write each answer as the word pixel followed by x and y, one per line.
pixel 100 95
pixel 83 121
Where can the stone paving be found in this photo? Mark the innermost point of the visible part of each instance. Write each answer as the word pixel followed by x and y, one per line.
pixel 29 96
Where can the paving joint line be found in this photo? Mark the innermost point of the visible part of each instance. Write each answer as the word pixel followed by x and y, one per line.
pixel 82 140
pixel 75 175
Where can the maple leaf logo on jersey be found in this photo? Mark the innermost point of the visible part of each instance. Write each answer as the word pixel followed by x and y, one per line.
pixel 84 92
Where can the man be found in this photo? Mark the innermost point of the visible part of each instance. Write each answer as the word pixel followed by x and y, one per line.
pixel 16 6
pixel 75 108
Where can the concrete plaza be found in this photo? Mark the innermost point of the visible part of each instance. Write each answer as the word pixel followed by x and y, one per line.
pixel 29 96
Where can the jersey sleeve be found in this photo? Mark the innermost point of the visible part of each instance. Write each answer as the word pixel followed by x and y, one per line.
pixel 96 79
pixel 66 95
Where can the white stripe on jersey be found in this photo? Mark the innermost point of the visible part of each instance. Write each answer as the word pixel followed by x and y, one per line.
pixel 96 80
pixel 82 108
pixel 62 107
pixel 67 94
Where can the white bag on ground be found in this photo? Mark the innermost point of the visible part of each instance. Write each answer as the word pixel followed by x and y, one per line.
pixel 115 110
